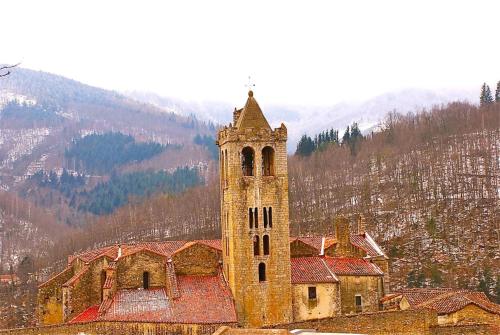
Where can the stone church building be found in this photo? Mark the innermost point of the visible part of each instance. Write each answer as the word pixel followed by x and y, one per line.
pixel 256 275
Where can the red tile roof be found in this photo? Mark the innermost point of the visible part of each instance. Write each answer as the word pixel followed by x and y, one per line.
pixel 311 270
pixel 150 305
pixel 203 299
pixel 348 266
pixel 88 315
pixel 366 243
pixel 447 300
pixel 416 296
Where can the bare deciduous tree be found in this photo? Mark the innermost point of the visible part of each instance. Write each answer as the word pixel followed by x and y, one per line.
pixel 5 69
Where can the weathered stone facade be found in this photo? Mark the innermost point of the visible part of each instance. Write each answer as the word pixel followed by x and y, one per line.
pixel 325 304
pixel 254 211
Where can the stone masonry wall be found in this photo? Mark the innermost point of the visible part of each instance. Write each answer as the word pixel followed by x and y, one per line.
pixel 198 259
pixel 368 287
pixel 119 328
pixel 130 270
pixel 380 323
pixel 472 329
pixel 50 299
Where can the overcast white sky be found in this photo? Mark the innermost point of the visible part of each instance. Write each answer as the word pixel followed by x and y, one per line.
pixel 307 52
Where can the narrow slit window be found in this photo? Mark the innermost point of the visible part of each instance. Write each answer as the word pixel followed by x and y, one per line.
pixel 359 304
pixel 250 218
pixel 256 245
pixel 264 214
pixel 145 280
pixel 265 242
pixel 262 272
pixel 256 217
pixel 270 215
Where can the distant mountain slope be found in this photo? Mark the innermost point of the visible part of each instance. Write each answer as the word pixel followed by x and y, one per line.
pixel 41 113
pixel 312 119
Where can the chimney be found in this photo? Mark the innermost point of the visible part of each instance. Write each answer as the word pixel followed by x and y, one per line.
pixel 119 252
pixel 361 224
pixel 342 232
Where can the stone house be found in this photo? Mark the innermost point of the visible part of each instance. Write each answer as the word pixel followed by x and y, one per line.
pixel 452 306
pixel 256 275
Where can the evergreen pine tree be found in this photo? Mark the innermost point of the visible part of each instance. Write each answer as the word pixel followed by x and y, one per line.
pixel 347 136
pixel 305 147
pixel 485 97
pixel 497 92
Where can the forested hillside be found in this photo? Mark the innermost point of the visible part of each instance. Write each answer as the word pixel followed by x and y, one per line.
pixel 428 185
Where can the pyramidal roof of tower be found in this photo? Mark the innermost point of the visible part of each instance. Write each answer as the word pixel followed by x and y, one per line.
pixel 251 115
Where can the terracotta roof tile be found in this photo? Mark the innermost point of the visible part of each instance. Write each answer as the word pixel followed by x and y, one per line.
pixel 203 299
pixel 348 266
pixel 88 315
pixel 311 270
pixel 454 300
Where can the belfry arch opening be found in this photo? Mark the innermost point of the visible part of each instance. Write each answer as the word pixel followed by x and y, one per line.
pixel 247 161
pixel 268 161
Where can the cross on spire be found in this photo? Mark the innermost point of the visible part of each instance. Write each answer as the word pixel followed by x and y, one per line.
pixel 250 83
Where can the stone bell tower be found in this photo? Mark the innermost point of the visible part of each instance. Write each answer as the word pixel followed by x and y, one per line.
pixel 254 217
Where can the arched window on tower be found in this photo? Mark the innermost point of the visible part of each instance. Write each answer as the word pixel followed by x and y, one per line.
pixel 256 217
pixel 145 280
pixel 262 272
pixel 265 242
pixel 270 217
pixel 268 161
pixel 247 161
pixel 250 218
pixel 264 214
pixel 256 245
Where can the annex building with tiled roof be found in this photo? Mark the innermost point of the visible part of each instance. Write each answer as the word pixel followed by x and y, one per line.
pixel 453 306
pixel 256 275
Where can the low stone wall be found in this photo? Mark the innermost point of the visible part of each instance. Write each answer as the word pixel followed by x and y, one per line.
pixel 476 329
pixel 118 328
pixel 378 323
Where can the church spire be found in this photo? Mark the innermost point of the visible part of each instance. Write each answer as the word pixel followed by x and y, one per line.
pixel 252 116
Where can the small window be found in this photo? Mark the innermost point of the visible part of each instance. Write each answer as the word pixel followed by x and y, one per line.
pixel 359 306
pixel 262 272
pixel 250 218
pixel 264 214
pixel 222 168
pixel 145 280
pixel 103 281
pixel 265 242
pixel 270 215
pixel 225 168
pixel 256 245
pixel 268 161
pixel 247 161
pixel 256 217
pixel 311 293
